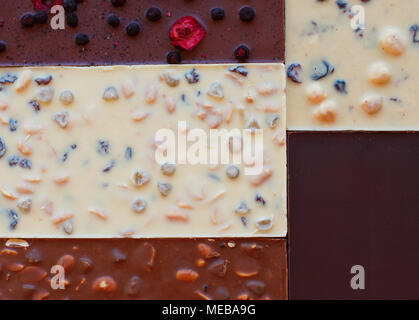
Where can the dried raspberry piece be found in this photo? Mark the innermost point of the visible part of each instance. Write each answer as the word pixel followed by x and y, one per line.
pixel 45 4
pixel 186 33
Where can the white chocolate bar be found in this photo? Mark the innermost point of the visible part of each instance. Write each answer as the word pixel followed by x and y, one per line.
pixel 380 65
pixel 80 151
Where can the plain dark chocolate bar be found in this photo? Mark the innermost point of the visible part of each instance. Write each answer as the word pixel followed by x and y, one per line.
pixel 353 201
pixel 261 30
pixel 144 269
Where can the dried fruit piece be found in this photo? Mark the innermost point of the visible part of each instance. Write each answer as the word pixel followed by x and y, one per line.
pixel 186 275
pixel 138 205
pixel 24 204
pixel 110 94
pixel 219 267
pixel 207 252
pixel 242 208
pixel 232 171
pixel 171 78
pixel 186 33
pixel 168 169
pixel 66 97
pixel 3 147
pixel 62 118
pixel 264 224
pixel 272 120
pixel 216 90
pixel 192 76
pixel 45 94
pixel 164 188
pixel 104 284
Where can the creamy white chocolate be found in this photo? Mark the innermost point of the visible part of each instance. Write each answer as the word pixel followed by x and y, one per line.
pixel 379 65
pixel 92 152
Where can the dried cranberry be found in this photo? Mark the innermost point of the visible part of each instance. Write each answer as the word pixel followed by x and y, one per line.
pixel 217 14
pixel 247 13
pixel 186 33
pixel 45 5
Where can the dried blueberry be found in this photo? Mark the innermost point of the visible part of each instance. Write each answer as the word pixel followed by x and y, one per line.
pixel 133 28
pixel 8 78
pixel 43 80
pixel 27 20
pixel 41 17
pixel 13 161
pixel 3 147
pixel 415 33
pixel 244 220
pixel 118 3
pixel 2 46
pixel 173 57
pixel 259 199
pixel 192 76
pixel 242 208
pixel 128 153
pixel 217 14
pixel 25 164
pixel 14 218
pixel 293 72
pixel 70 5
pixel 240 70
pixel 35 105
pixel 341 4
pixel 82 39
pixel 247 13
pixel 113 20
pixel 109 166
pixel 13 123
pixel 340 86
pixel 242 52
pixel 321 69
pixel 153 14
pixel 72 19
pixel 103 147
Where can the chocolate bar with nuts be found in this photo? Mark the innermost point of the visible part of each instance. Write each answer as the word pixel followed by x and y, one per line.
pixel 143 269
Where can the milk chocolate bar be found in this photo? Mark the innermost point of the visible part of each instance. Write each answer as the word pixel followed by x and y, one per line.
pixel 143 269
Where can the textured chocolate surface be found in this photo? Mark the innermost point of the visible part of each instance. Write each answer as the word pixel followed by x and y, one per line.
pixel 353 200
pixel 41 45
pixel 156 269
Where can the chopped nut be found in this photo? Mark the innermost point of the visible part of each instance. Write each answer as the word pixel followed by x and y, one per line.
pixel 264 224
pixel 242 208
pixel 171 78
pixel 68 227
pixel 24 204
pixel 139 204
pixel 104 284
pixel 128 89
pixel 140 177
pixel 253 124
pixel 168 169
pixel 326 112
pixel 372 103
pixel 232 172
pixel 17 243
pixel 45 94
pixel 207 252
pixel 164 188
pixel 393 41
pixel 267 89
pixel 216 90
pixel 110 94
pixel 62 118
pixel 186 275
pixel 24 80
pixel 151 94
pixel 67 97
pixel 262 177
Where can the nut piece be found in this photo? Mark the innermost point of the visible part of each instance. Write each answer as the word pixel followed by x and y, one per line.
pixel 216 90
pixel 24 80
pixel 186 275
pixel 104 284
pixel 379 73
pixel 232 172
pixel 110 94
pixel 264 224
pixel 393 41
pixel 66 97
pixel 68 226
pixel 138 205
pixel 272 120
pixel 242 208
pixel 168 169
pixel 171 78
pixel 151 94
pixel 207 252
pixel 128 89
pixel 372 103
pixel 61 118
pixel 164 188
pixel 45 94
pixel 67 261
pixel 315 93
pixel 24 204
pixel 140 177
pixel 326 112
pixel 253 124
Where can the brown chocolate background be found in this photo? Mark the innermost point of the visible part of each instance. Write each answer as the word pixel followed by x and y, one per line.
pixel 353 200
pixel 41 45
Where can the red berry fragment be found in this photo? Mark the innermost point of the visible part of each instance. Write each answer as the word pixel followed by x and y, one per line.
pixel 241 52
pixel 186 33
pixel 45 4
